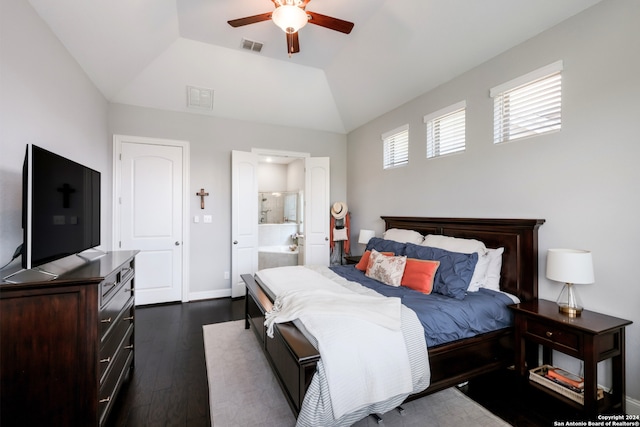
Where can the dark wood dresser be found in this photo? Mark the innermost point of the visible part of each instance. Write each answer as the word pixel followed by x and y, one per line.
pixel 66 345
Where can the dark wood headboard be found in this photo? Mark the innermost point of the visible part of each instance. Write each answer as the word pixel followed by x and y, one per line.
pixel 518 237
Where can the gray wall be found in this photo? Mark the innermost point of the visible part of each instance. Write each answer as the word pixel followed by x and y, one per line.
pixel 53 105
pixel 211 141
pixel 583 179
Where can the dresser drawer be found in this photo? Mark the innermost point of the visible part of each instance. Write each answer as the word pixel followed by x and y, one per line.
pixel 553 336
pixel 123 296
pixel 113 280
pixel 117 337
pixel 116 375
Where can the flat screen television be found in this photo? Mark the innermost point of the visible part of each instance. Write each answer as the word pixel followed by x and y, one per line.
pixel 60 207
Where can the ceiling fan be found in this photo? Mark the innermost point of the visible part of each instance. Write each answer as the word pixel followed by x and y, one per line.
pixel 290 16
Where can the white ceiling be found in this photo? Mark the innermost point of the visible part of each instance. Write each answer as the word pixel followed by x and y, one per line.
pixel 145 52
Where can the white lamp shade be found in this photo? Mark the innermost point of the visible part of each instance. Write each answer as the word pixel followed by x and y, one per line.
pixel 289 18
pixel 365 236
pixel 570 266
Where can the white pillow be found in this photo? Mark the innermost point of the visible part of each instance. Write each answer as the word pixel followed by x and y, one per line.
pixel 465 246
pixel 386 269
pixel 479 273
pixel 403 236
pixel 455 244
pixel 492 279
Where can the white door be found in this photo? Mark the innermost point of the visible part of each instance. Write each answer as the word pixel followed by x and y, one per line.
pixel 244 218
pixel 150 180
pixel 316 211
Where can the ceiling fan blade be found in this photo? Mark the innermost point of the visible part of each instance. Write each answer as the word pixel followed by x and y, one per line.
pixel 293 44
pixel 329 22
pixel 250 20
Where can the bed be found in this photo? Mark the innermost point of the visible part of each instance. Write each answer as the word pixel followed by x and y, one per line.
pixel 294 359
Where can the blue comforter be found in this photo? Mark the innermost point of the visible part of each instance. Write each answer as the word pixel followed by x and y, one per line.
pixel 444 319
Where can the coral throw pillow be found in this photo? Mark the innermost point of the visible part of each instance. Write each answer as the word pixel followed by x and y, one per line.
pixel 419 274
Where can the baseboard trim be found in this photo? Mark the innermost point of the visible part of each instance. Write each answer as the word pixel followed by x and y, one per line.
pixel 221 293
pixel 633 406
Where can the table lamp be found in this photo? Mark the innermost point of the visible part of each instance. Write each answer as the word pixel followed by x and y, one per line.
pixel 570 266
pixel 365 236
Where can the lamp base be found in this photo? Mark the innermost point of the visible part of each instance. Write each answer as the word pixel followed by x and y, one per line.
pixel 569 311
pixel 569 302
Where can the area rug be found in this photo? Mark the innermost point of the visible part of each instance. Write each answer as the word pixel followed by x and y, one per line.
pixel 244 392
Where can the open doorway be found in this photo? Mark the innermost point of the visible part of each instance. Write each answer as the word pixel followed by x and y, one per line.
pixel 281 184
pixel 245 213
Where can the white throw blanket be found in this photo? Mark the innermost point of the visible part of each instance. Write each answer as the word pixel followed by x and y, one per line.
pixel 294 304
pixel 359 338
pixel 282 279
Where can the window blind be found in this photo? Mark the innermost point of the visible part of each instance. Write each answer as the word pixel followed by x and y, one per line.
pixel 531 108
pixel 396 147
pixel 446 130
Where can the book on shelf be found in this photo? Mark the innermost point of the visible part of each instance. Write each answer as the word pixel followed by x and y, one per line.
pixel 566 377
pixel 540 375
pixel 563 384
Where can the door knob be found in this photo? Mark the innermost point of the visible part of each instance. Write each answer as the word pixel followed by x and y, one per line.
pixel 177 243
pixel 235 242
pixel 326 239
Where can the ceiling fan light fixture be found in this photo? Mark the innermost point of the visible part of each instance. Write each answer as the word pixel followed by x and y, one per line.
pixel 289 18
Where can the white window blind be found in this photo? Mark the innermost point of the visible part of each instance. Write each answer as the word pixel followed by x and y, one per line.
pixel 529 105
pixel 396 147
pixel 446 130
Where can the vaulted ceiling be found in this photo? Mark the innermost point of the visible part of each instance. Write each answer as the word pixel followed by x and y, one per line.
pixel 146 52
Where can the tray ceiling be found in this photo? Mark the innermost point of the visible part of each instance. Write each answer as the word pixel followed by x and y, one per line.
pixel 146 53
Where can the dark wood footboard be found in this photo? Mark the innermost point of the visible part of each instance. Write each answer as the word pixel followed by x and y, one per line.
pixel 293 358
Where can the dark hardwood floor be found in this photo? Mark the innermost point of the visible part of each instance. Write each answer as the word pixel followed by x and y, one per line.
pixel 169 383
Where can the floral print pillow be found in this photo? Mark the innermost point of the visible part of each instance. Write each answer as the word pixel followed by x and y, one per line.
pixel 386 269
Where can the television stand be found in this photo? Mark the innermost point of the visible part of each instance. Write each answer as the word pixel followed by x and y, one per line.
pixel 30 275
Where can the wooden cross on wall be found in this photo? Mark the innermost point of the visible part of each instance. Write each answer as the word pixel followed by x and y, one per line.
pixel 202 194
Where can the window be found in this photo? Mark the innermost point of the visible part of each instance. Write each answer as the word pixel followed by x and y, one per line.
pixel 396 147
pixel 446 130
pixel 529 105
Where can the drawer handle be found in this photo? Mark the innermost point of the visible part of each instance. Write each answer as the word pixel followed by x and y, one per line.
pixel 125 319
pixel 128 289
pixel 105 400
pixel 109 284
pixel 549 334
pixel 106 320
pixel 128 347
pixel 107 360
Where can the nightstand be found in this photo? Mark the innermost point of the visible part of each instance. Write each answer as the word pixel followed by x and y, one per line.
pixel 591 337
pixel 352 259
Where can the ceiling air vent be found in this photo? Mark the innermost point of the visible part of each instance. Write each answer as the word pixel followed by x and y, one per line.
pixel 198 97
pixel 252 45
